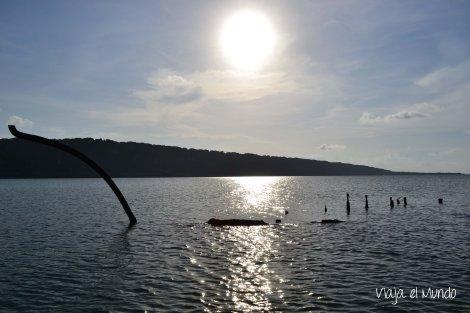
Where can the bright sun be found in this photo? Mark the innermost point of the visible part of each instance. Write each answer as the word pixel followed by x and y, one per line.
pixel 247 39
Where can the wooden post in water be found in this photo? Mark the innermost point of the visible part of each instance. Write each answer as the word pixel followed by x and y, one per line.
pixel 84 158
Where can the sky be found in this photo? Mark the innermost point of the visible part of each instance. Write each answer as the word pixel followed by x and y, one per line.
pixel 379 83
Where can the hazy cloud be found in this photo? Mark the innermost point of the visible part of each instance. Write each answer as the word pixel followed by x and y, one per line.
pixel 233 86
pixel 19 121
pixel 168 87
pixel 198 95
pixel 443 153
pixel 329 147
pixel 446 77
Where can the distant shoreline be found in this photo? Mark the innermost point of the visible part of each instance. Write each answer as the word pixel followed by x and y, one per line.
pixel 97 177
pixel 23 159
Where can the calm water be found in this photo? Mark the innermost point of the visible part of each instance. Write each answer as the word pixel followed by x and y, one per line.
pixel 65 246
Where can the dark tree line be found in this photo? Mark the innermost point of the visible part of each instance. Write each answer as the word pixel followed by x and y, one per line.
pixel 21 159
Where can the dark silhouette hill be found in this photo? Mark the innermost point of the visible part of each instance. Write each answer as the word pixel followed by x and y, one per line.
pixel 23 159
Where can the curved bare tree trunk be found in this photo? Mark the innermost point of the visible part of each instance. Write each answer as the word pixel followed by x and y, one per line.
pixel 84 158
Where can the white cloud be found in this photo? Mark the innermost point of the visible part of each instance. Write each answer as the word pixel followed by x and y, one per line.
pixel 19 121
pixel 329 147
pixel 369 119
pixel 418 110
pixel 405 115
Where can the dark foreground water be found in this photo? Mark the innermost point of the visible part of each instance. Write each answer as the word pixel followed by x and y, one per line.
pixel 65 246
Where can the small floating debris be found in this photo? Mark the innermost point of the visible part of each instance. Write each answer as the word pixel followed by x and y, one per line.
pixel 441 201
pixel 236 222
pixel 286 212
pixel 278 221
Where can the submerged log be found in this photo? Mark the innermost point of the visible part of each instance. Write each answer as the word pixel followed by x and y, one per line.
pixel 235 222
pixel 333 221
pixel 327 221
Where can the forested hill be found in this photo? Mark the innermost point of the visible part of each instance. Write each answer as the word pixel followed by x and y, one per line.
pixel 23 159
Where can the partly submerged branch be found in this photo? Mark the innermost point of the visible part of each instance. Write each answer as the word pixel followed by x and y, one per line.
pixel 85 159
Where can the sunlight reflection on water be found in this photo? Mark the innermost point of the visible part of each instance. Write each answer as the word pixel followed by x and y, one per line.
pixel 249 283
pixel 258 194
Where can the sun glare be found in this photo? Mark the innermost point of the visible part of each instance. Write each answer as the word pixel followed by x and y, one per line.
pixel 247 40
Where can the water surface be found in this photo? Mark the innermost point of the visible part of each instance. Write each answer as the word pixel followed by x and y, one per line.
pixel 65 245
